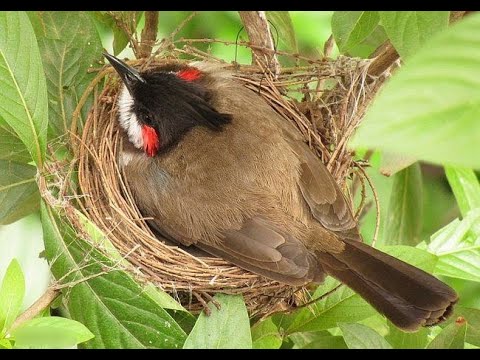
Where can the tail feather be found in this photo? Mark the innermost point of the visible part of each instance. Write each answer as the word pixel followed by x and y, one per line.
pixel 406 295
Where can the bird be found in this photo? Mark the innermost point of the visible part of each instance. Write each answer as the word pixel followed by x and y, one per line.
pixel 217 168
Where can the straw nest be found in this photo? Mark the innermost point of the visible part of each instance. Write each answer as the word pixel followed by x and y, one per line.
pixel 325 99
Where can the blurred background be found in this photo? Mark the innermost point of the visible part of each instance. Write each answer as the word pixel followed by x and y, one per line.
pixel 312 29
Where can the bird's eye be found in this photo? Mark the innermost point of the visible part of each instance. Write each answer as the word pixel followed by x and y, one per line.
pixel 148 120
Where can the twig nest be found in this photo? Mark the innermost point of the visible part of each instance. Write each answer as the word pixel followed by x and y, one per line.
pixel 325 117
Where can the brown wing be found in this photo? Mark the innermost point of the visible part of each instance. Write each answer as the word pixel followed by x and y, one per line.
pixel 324 197
pixel 262 248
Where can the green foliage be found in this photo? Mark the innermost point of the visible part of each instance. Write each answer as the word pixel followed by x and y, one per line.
pixel 12 291
pixel 11 147
pixel 409 30
pixel 403 340
pixel 70 46
pixel 22 83
pixel 343 305
pixel 472 317
pixel 265 335
pixel 352 31
pixel 465 186
pixel 225 328
pixel 50 333
pixel 119 22
pixel 432 111
pixel 40 332
pixel 18 191
pixel 451 337
pixel 283 24
pixel 457 246
pixel 358 336
pixel 321 340
pixel 404 217
pixel 110 302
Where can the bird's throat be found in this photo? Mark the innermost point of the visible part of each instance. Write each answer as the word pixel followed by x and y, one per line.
pixel 151 142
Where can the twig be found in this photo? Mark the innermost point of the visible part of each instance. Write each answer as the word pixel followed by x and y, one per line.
pixel 377 204
pixel 83 100
pixel 149 33
pixel 258 30
pixel 328 47
pixel 384 57
pixel 37 307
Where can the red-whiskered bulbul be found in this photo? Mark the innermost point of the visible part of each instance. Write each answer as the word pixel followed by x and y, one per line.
pixel 216 167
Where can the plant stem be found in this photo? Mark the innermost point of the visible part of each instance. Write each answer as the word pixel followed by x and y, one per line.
pixel 36 308
pixel 149 33
pixel 258 30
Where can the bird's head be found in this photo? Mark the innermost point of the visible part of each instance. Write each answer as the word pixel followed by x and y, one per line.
pixel 156 108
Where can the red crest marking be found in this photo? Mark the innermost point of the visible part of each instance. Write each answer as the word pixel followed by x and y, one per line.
pixel 151 143
pixel 189 74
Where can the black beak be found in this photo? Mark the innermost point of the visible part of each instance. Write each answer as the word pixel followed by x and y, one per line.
pixel 128 74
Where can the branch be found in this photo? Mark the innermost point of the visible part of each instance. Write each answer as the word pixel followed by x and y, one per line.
pixel 258 30
pixel 384 57
pixel 149 33
pixel 38 306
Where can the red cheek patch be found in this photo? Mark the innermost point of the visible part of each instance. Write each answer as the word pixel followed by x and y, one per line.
pixel 151 143
pixel 189 74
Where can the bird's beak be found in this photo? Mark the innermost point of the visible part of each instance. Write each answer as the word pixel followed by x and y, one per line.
pixel 128 74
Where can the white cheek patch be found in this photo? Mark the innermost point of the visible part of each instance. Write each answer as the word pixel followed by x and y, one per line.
pixel 127 119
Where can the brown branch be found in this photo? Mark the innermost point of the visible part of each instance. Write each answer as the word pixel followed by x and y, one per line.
pixel 456 15
pixel 258 30
pixel 37 307
pixel 149 33
pixel 384 57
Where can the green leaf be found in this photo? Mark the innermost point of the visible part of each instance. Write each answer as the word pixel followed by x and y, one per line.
pixel 5 344
pixel 465 186
pixel 372 42
pixel 11 147
pixel 451 337
pixel 227 328
pixel 409 30
pixel 457 246
pixel 102 242
pixel 265 335
pixel 283 23
pixel 70 46
pixel 472 316
pixel 340 306
pixel 50 333
pixel 404 217
pixel 114 20
pixel 344 305
pixel 24 104
pixel 325 340
pixel 12 292
pixel 112 305
pixel 19 194
pixel 403 340
pixel 358 336
pixel 163 299
pixel 414 256
pixel 392 163
pixel 429 109
pixel 351 28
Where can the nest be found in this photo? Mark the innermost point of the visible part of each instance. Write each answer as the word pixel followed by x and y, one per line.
pixel 324 99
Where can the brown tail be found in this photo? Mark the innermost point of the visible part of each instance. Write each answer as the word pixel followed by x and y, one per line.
pixel 406 295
